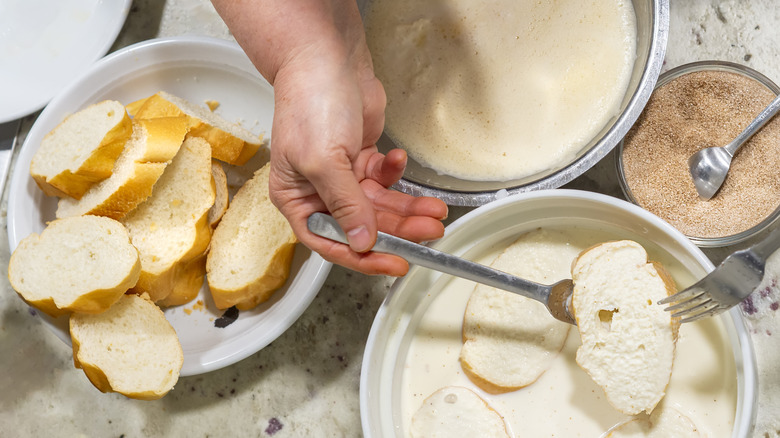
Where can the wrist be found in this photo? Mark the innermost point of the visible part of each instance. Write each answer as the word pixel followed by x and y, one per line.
pixel 277 33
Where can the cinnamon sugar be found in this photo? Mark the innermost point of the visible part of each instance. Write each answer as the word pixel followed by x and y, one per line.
pixel 697 110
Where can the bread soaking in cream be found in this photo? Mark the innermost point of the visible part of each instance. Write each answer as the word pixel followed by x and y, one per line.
pixel 564 401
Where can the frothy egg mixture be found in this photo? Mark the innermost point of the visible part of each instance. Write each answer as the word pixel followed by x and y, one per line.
pixel 564 401
pixel 501 89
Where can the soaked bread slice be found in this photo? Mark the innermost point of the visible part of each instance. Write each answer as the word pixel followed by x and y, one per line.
pixel 81 150
pixel 509 340
pixel 151 147
pixel 628 340
pixel 130 349
pixel 665 422
pixel 251 249
pixel 171 229
pixel 455 411
pixel 78 264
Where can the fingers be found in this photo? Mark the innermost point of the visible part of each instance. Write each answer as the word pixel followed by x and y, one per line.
pixel 403 204
pixel 414 228
pixel 393 212
pixel 417 229
pixel 297 212
pixel 343 196
pixel 370 263
pixel 386 169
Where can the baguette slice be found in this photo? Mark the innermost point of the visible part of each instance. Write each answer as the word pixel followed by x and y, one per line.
pixel 187 283
pixel 222 199
pixel 133 107
pixel 628 340
pixel 170 228
pixel 130 349
pixel 229 142
pixel 665 422
pixel 251 249
pixel 152 146
pixel 81 150
pixel 79 264
pixel 455 411
pixel 509 340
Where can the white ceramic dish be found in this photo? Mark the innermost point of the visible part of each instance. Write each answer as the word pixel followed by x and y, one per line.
pixel 483 232
pixel 46 44
pixel 196 69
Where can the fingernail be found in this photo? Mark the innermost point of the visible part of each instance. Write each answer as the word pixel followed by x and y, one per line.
pixel 359 240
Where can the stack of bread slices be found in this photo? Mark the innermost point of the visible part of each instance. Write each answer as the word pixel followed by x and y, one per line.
pixel 143 213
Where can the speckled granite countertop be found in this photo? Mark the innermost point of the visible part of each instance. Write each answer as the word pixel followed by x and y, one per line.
pixel 306 382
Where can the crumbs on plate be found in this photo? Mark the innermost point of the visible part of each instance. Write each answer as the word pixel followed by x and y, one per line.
pixel 197 306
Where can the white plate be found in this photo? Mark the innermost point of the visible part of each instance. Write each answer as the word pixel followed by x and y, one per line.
pixel 197 69
pixel 45 44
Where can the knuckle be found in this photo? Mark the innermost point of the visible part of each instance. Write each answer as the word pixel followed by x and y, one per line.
pixel 341 207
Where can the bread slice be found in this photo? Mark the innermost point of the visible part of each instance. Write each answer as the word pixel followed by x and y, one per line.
pixel 229 141
pixel 152 146
pixel 628 340
pixel 665 422
pixel 509 341
pixel 133 107
pixel 222 199
pixel 79 264
pixel 456 411
pixel 187 283
pixel 251 249
pixel 130 349
pixel 156 106
pixel 81 150
pixel 170 228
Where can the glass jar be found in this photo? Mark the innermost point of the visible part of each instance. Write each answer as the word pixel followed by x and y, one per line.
pixel 665 193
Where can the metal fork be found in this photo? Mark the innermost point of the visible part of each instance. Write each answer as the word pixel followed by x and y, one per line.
pixel 556 297
pixel 731 282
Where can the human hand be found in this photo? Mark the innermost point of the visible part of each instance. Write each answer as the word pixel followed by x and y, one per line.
pixel 327 120
pixel 328 115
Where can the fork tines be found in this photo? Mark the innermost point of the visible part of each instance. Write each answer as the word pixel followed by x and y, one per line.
pixel 692 305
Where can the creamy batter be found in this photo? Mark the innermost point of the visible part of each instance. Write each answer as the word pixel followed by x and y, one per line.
pixel 564 401
pixel 501 89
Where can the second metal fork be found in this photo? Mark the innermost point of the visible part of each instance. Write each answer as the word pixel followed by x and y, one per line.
pixel 728 285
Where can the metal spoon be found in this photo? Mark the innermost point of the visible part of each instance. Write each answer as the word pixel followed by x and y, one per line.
pixel 556 297
pixel 709 166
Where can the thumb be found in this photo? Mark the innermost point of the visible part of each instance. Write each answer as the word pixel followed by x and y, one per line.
pixel 344 198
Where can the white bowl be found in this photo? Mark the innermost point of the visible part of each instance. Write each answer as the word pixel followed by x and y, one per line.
pixel 494 225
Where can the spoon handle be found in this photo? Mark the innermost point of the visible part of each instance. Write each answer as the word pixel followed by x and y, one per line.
pixel 325 226
pixel 757 123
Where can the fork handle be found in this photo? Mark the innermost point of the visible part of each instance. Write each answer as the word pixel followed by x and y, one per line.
pixel 325 226
pixel 767 246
